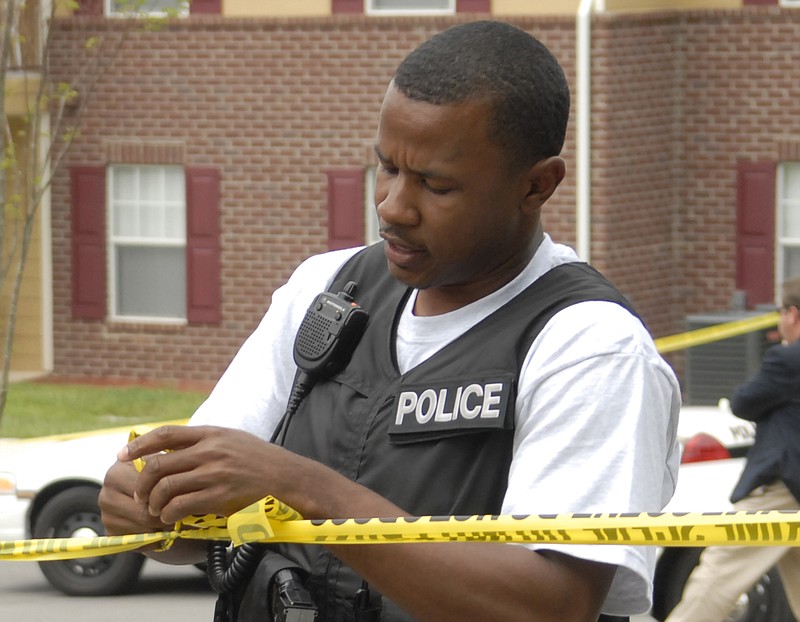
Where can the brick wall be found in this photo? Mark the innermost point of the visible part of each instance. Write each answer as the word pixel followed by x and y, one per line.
pixel 743 103
pixel 677 99
pixel 636 103
pixel 272 104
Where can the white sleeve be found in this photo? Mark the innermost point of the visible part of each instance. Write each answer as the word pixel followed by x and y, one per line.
pixel 596 428
pixel 252 393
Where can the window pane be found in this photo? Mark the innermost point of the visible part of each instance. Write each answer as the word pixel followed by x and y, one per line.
pixel 152 219
pixel 175 200
pixel 151 281
pixel 126 219
pixel 148 208
pixel 175 222
pixel 161 5
pixel 790 221
pixel 148 202
pixel 791 262
pixel 151 183
pixel 123 181
pixel 790 200
pixel 174 184
pixel 791 180
pixel 145 6
pixel 411 5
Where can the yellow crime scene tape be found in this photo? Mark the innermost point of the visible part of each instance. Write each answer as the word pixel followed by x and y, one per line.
pixel 259 523
pixel 270 520
pixel 717 332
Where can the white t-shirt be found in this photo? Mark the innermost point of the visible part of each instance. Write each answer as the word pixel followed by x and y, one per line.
pixel 596 408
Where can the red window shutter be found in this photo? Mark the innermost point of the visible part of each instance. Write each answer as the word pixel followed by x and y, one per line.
pixel 90 7
pixel 347 6
pixel 88 192
pixel 345 208
pixel 473 6
pixel 203 250
pixel 755 231
pixel 213 7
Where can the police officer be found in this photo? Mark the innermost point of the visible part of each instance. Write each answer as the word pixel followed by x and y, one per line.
pixel 497 373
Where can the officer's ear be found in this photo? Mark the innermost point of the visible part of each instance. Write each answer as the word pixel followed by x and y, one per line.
pixel 543 178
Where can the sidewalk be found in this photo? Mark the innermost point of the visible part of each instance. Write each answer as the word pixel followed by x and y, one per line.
pixel 50 377
pixel 22 376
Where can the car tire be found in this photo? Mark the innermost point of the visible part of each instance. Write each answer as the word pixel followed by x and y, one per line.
pixel 75 512
pixel 764 602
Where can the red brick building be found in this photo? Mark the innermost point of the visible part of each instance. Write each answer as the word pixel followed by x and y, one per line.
pixel 269 123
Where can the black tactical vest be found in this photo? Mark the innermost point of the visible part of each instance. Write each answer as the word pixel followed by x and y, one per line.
pixel 438 439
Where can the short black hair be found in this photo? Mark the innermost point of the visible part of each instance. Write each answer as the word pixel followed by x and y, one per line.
pixel 507 67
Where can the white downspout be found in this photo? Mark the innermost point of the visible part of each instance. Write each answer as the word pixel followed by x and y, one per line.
pixel 583 77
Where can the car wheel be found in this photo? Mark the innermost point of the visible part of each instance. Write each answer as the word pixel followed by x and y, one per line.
pixel 75 513
pixel 764 602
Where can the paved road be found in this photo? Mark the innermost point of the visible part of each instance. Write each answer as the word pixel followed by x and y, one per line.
pixel 163 594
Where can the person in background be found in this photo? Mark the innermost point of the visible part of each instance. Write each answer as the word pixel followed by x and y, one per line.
pixel 549 393
pixel 770 480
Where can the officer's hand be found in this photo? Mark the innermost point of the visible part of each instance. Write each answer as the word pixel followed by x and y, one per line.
pixel 120 513
pixel 199 470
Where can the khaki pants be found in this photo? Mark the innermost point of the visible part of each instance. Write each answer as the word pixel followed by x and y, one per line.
pixel 726 572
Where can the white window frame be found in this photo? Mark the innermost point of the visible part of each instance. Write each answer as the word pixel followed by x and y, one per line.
pixel 114 240
pixel 783 205
pixel 370 9
pixel 371 224
pixel 181 9
pixel 790 3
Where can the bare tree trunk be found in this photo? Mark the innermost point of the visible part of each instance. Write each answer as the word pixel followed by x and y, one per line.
pixel 9 15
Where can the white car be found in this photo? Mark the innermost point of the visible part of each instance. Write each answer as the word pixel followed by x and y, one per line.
pixel 48 489
pixel 714 445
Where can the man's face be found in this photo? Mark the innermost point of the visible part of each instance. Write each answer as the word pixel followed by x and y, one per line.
pixel 449 203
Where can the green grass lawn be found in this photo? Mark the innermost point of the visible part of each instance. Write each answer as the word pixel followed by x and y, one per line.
pixel 41 409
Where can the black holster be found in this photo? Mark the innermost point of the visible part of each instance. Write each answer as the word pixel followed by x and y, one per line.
pixel 275 593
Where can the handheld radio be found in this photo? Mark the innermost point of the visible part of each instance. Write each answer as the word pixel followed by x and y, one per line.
pixel 330 331
pixel 328 335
